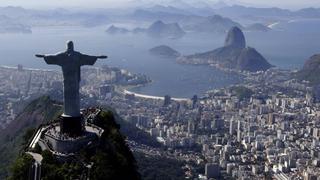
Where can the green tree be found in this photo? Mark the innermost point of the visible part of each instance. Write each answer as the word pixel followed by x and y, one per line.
pixel 20 168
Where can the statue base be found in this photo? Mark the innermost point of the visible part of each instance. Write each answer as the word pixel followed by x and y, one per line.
pixel 71 126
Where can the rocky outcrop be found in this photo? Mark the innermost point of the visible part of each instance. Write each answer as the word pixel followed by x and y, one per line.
pixel 235 38
pixel 164 51
pixel 251 60
pixel 233 55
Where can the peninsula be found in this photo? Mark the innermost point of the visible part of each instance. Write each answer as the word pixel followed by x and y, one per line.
pixel 233 55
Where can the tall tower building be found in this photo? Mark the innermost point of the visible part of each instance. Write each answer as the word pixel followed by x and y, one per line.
pixel 239 131
pixel 232 127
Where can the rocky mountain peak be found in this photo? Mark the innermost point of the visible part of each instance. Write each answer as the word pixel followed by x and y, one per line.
pixel 235 38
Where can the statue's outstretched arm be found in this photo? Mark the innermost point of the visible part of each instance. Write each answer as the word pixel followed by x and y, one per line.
pixel 51 59
pixel 90 60
pixel 40 56
pixel 102 57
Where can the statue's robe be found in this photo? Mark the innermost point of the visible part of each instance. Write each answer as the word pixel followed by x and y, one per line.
pixel 71 62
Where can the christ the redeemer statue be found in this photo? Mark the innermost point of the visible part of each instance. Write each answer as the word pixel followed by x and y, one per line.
pixel 71 61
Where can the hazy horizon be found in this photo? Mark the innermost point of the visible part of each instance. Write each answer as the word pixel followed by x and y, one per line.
pixel 286 4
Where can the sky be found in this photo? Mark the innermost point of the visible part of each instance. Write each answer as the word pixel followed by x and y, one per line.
pixel 285 3
pixel 291 4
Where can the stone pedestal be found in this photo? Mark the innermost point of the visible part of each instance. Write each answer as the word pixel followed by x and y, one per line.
pixel 72 126
pixel 51 138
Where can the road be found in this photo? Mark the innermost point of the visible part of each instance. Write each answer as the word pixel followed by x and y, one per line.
pixel 154 97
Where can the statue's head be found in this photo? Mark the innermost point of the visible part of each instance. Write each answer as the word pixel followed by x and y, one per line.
pixel 70 46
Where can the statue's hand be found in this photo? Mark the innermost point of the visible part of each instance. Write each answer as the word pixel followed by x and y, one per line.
pixel 40 56
pixel 102 57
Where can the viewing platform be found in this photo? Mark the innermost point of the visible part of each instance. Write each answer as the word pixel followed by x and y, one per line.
pixel 50 137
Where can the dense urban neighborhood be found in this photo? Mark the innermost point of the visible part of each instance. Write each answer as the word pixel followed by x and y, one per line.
pixel 267 126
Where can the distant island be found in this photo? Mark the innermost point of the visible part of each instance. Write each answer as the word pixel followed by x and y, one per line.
pixel 116 30
pixel 157 29
pixel 233 55
pixel 164 51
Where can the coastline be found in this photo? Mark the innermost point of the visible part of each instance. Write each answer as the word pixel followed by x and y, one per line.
pixel 127 92
pixel 126 89
pixel 216 66
pixel 27 69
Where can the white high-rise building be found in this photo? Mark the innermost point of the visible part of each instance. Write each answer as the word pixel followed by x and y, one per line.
pixel 232 127
pixel 239 131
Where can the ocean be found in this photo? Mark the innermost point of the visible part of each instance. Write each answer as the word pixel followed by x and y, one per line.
pixel 288 46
